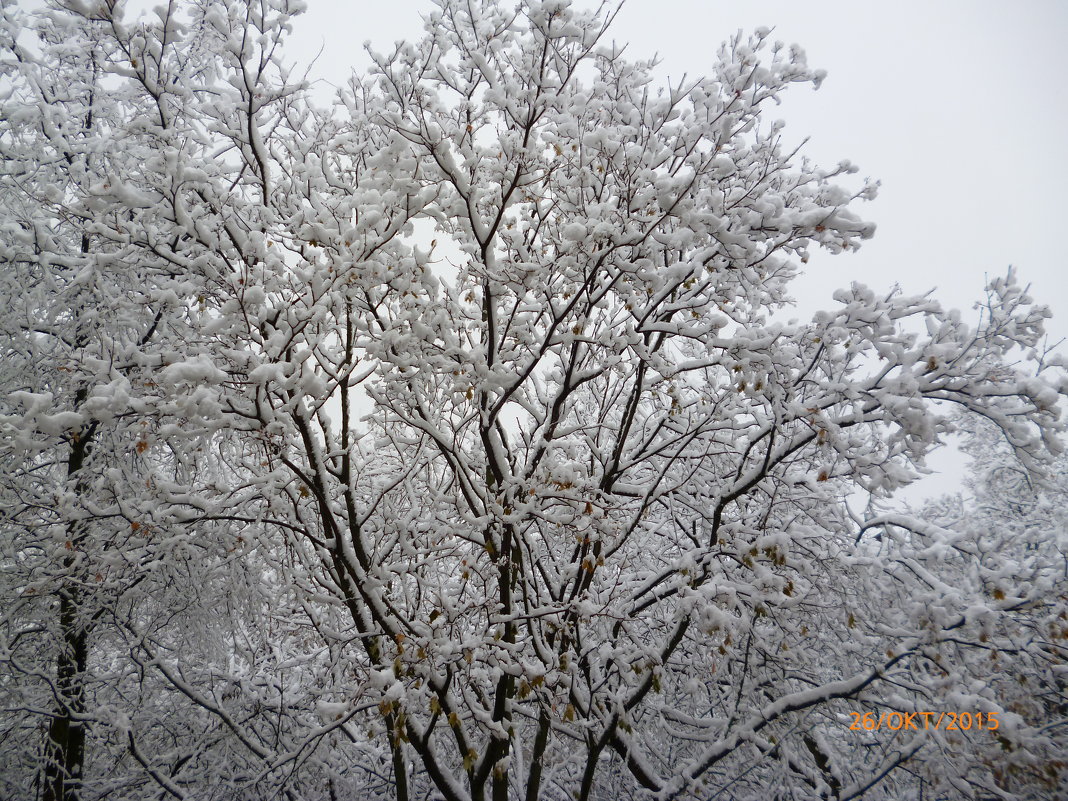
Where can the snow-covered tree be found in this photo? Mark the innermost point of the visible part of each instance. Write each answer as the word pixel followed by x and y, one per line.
pixel 77 316
pixel 994 558
pixel 96 118
pixel 468 400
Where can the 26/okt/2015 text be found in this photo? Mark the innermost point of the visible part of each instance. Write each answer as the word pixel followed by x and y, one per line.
pixel 915 721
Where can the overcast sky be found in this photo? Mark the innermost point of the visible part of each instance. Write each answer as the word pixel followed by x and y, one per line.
pixel 958 108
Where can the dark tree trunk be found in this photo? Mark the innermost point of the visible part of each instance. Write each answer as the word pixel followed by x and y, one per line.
pixel 66 733
pixel 65 747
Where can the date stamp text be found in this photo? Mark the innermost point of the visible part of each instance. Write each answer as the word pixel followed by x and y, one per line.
pixel 924 721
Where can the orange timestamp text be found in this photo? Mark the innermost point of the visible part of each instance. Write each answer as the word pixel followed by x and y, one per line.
pixel 922 721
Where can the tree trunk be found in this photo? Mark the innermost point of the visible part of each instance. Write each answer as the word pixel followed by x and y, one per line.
pixel 65 747
pixel 66 733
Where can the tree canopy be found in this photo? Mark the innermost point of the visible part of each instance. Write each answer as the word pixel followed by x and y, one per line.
pixel 449 441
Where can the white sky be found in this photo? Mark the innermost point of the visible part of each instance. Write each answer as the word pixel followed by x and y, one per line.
pixel 958 108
